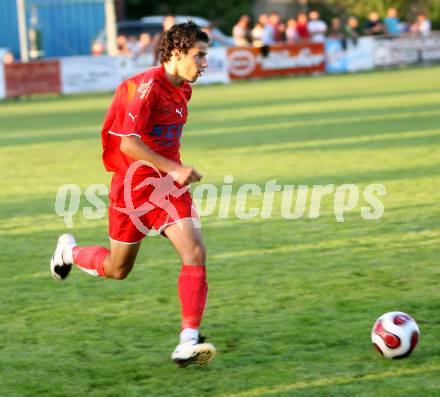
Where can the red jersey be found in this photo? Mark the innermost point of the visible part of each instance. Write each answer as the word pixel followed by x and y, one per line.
pixel 150 107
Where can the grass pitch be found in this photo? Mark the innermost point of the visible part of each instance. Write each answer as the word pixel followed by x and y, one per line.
pixel 291 302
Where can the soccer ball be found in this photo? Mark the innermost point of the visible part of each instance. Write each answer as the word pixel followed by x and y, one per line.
pixel 395 335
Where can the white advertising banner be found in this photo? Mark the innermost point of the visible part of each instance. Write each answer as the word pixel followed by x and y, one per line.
pixel 88 74
pixel 359 56
pixel 401 51
pixel 430 51
pixel 129 65
pixel 2 81
pixel 217 71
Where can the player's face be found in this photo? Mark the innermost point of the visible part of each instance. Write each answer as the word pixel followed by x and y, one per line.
pixel 193 64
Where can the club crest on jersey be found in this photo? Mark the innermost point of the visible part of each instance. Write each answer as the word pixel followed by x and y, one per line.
pixel 144 88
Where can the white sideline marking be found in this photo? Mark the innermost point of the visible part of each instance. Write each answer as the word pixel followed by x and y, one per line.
pixel 266 390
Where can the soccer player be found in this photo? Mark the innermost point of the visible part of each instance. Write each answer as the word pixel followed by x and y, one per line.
pixel 141 142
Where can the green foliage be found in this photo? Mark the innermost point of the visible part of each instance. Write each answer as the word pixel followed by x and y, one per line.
pixel 407 9
pixel 291 302
pixel 224 13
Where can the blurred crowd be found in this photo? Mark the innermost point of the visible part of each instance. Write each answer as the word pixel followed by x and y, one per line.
pixel 149 44
pixel 270 29
pixel 135 45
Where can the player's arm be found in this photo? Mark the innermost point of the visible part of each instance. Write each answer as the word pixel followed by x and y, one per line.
pixel 133 147
pixel 134 118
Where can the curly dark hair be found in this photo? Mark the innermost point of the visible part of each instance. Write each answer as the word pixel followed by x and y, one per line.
pixel 182 37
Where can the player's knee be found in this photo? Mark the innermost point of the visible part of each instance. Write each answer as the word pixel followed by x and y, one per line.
pixel 196 255
pixel 120 274
pixel 119 271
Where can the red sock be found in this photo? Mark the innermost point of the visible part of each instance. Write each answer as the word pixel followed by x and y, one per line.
pixel 90 259
pixel 193 290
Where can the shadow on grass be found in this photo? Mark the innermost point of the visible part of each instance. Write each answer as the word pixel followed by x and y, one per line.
pixel 44 205
pixel 376 144
pixel 262 101
pixel 335 128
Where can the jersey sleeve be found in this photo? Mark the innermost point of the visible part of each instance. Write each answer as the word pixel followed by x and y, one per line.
pixel 134 108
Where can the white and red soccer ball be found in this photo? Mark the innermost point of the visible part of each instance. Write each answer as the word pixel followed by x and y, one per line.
pixel 395 335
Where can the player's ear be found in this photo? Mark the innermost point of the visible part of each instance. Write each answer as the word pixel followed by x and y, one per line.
pixel 177 54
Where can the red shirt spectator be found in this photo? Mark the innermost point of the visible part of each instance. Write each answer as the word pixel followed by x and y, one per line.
pixel 301 27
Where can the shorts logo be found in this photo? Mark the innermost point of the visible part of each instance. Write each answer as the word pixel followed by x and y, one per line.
pixel 144 88
pixel 163 189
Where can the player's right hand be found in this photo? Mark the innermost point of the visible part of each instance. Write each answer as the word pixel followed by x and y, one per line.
pixel 185 175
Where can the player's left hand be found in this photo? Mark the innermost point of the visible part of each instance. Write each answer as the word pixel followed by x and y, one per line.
pixel 185 175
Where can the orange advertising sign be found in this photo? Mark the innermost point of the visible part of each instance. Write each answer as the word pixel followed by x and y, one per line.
pixel 42 77
pixel 279 59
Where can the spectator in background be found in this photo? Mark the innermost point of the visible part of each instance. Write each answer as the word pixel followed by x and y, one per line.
pixel 167 23
pixel 301 27
pixel 257 34
pixel 8 58
pixel 316 27
pixel 97 48
pixel 352 30
pixel 121 45
pixel 422 26
pixel 278 27
pixel 391 23
pixel 291 32
pixel 373 26
pixel 144 44
pixel 132 45
pixel 268 31
pixel 336 31
pixel 240 31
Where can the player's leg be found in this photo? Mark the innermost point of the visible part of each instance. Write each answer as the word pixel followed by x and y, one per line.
pixel 193 289
pixel 98 261
pixel 121 260
pixel 94 260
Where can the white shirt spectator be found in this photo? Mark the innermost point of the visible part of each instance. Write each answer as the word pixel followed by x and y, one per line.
pixel 257 35
pixel 425 27
pixel 291 34
pixel 239 33
pixel 422 25
pixel 268 34
pixel 317 29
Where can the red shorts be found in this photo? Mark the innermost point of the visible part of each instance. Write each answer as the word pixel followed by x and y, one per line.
pixel 133 213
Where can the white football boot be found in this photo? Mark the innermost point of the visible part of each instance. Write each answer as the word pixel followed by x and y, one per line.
pixel 195 351
pixel 61 262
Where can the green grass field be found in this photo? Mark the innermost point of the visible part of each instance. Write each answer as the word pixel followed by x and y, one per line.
pixel 291 302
